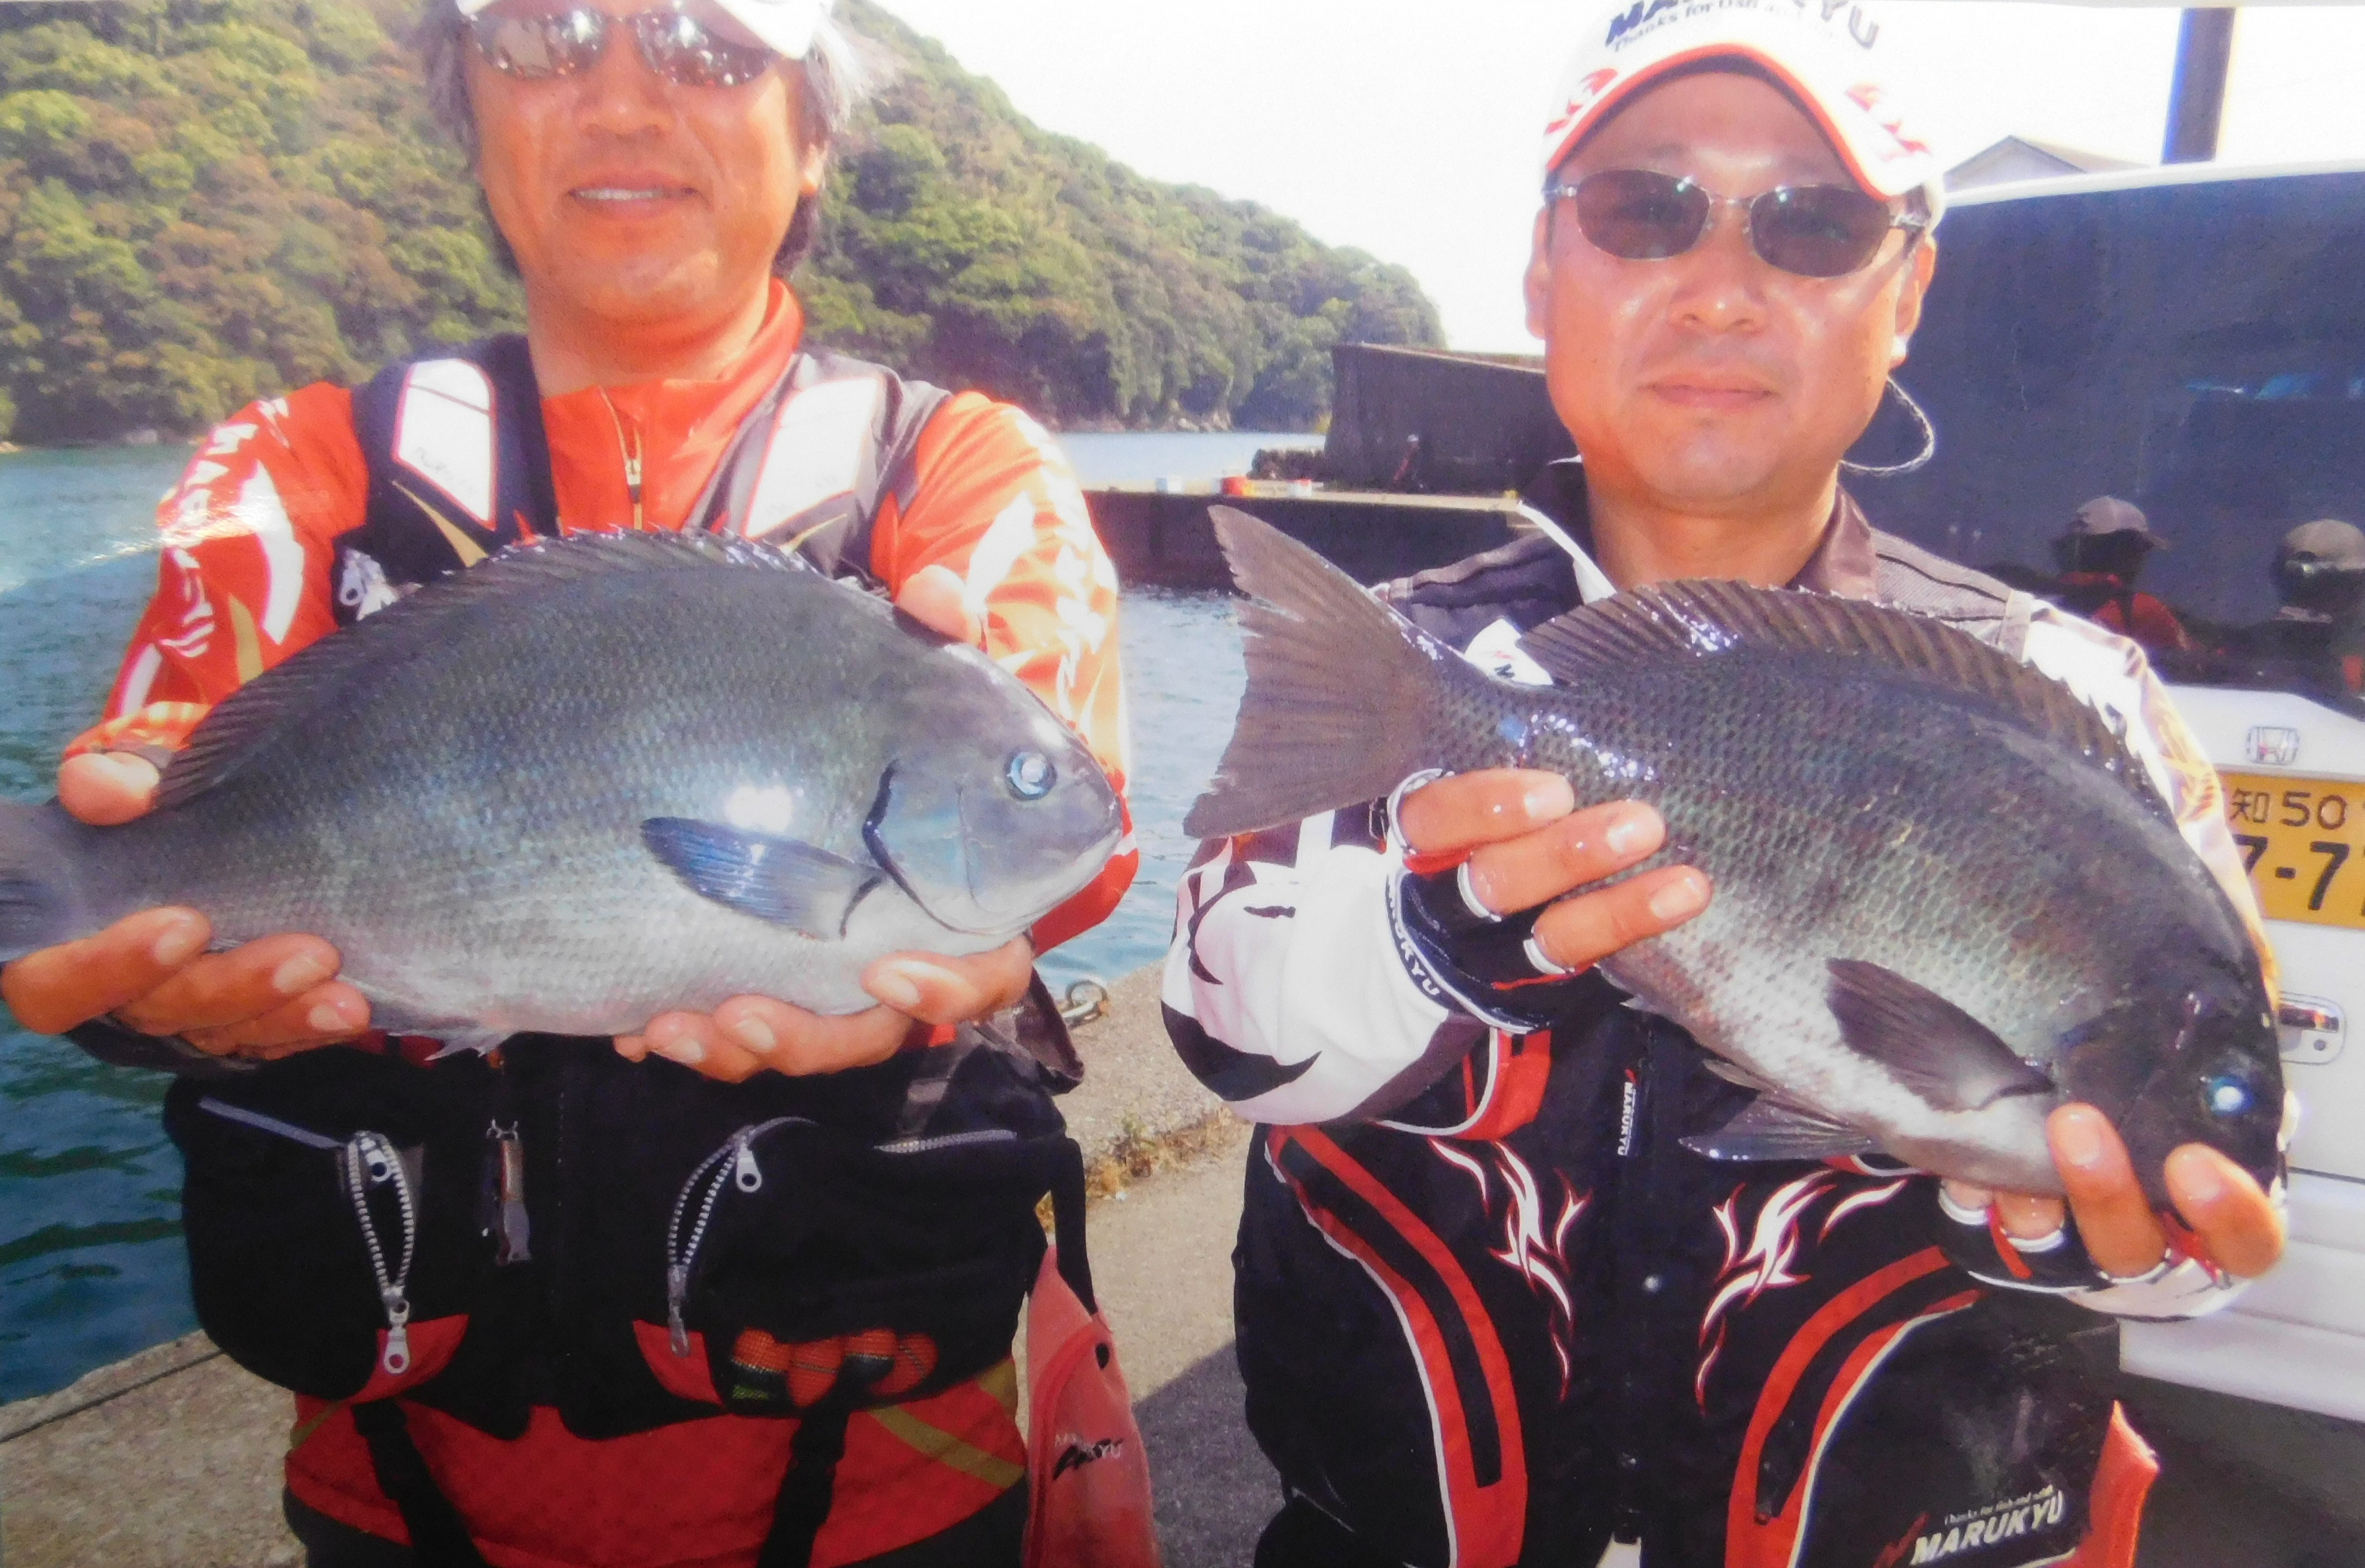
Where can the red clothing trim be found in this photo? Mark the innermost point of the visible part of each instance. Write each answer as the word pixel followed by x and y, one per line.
pixel 1489 1523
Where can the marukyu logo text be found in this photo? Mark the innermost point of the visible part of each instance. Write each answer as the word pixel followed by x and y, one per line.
pixel 1639 17
pixel 1986 1527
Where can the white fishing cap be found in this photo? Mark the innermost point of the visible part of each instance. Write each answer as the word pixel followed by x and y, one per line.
pixel 786 27
pixel 1825 51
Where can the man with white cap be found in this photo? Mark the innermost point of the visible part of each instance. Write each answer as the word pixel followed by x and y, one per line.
pixel 1491 1308
pixel 2314 643
pixel 589 1331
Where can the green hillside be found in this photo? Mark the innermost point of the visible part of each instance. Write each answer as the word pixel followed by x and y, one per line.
pixel 203 201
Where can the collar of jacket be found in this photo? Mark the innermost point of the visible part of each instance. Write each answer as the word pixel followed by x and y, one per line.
pixel 1842 565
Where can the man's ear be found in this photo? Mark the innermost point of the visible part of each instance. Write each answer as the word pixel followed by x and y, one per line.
pixel 1910 297
pixel 1539 278
pixel 813 169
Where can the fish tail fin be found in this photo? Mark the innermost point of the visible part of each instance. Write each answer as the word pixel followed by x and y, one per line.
pixel 40 902
pixel 1341 689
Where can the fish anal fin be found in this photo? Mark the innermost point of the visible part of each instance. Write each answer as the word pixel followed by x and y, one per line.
pixel 1772 1129
pixel 1925 1042
pixel 1734 1073
pixel 784 880
pixel 1680 621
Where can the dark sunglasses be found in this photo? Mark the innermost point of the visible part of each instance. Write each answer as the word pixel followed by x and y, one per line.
pixel 688 44
pixel 1641 215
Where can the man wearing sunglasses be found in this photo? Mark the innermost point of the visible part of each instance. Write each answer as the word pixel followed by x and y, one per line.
pixel 1491 1310
pixel 505 1388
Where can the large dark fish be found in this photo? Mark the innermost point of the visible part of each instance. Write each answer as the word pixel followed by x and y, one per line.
pixel 593 781
pixel 1948 900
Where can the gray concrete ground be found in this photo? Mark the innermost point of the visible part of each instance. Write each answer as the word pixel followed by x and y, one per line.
pixel 171 1459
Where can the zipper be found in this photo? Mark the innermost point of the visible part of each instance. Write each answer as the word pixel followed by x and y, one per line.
pixel 631 453
pixel 948 1140
pixel 370 1163
pixel 735 1165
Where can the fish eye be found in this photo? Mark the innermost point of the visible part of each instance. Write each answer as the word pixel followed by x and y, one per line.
pixel 1030 775
pixel 2227 1095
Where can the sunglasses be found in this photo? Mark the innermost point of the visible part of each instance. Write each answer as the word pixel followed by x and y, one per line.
pixel 687 43
pixel 1639 214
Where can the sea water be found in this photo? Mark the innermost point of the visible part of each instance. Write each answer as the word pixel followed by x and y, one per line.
pixel 92 1267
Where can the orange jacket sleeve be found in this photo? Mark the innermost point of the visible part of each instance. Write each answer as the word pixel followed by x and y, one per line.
pixel 996 502
pixel 242 573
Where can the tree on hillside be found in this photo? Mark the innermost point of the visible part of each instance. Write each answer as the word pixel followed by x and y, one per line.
pixel 200 204
pixel 204 201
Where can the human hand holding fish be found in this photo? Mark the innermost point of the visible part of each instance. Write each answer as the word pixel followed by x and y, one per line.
pixel 269 998
pixel 1528 846
pixel 2233 1222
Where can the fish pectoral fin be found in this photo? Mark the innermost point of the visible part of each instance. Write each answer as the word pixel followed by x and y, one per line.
pixel 1779 1129
pixel 784 880
pixel 1925 1042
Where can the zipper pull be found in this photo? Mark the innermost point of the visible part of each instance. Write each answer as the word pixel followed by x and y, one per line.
pixel 676 1291
pixel 378 1157
pixel 633 477
pixel 516 1230
pixel 397 1359
pixel 746 1173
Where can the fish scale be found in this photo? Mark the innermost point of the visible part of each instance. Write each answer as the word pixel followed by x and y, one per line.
pixel 458 791
pixel 1947 899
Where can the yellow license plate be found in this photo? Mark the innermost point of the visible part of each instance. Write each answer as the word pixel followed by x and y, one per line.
pixel 2303 840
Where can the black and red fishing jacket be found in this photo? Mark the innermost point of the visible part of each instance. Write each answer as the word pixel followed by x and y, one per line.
pixel 1490 1311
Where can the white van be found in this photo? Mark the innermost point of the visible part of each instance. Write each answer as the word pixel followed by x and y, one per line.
pixel 2192 339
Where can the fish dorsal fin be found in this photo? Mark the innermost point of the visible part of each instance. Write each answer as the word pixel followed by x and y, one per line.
pixel 310 682
pixel 1674 622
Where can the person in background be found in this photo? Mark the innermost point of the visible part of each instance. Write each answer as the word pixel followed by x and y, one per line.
pixel 2316 642
pixel 2101 553
pixel 656 175
pixel 1491 1309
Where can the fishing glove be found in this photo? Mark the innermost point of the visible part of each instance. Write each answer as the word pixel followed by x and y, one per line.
pixel 2058 1265
pixel 1486 963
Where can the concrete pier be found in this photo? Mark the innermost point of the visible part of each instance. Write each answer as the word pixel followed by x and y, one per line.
pixel 1162 538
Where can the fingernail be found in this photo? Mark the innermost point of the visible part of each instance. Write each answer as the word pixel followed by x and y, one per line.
pixel 1679 900
pixel 756 1035
pixel 2077 1141
pixel 180 942
pixel 686 1051
pixel 1548 800
pixel 895 986
pixel 328 1018
pixel 1631 834
pixel 299 973
pixel 2198 1181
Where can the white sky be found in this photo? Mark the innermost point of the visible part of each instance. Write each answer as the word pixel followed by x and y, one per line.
pixel 1408 127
